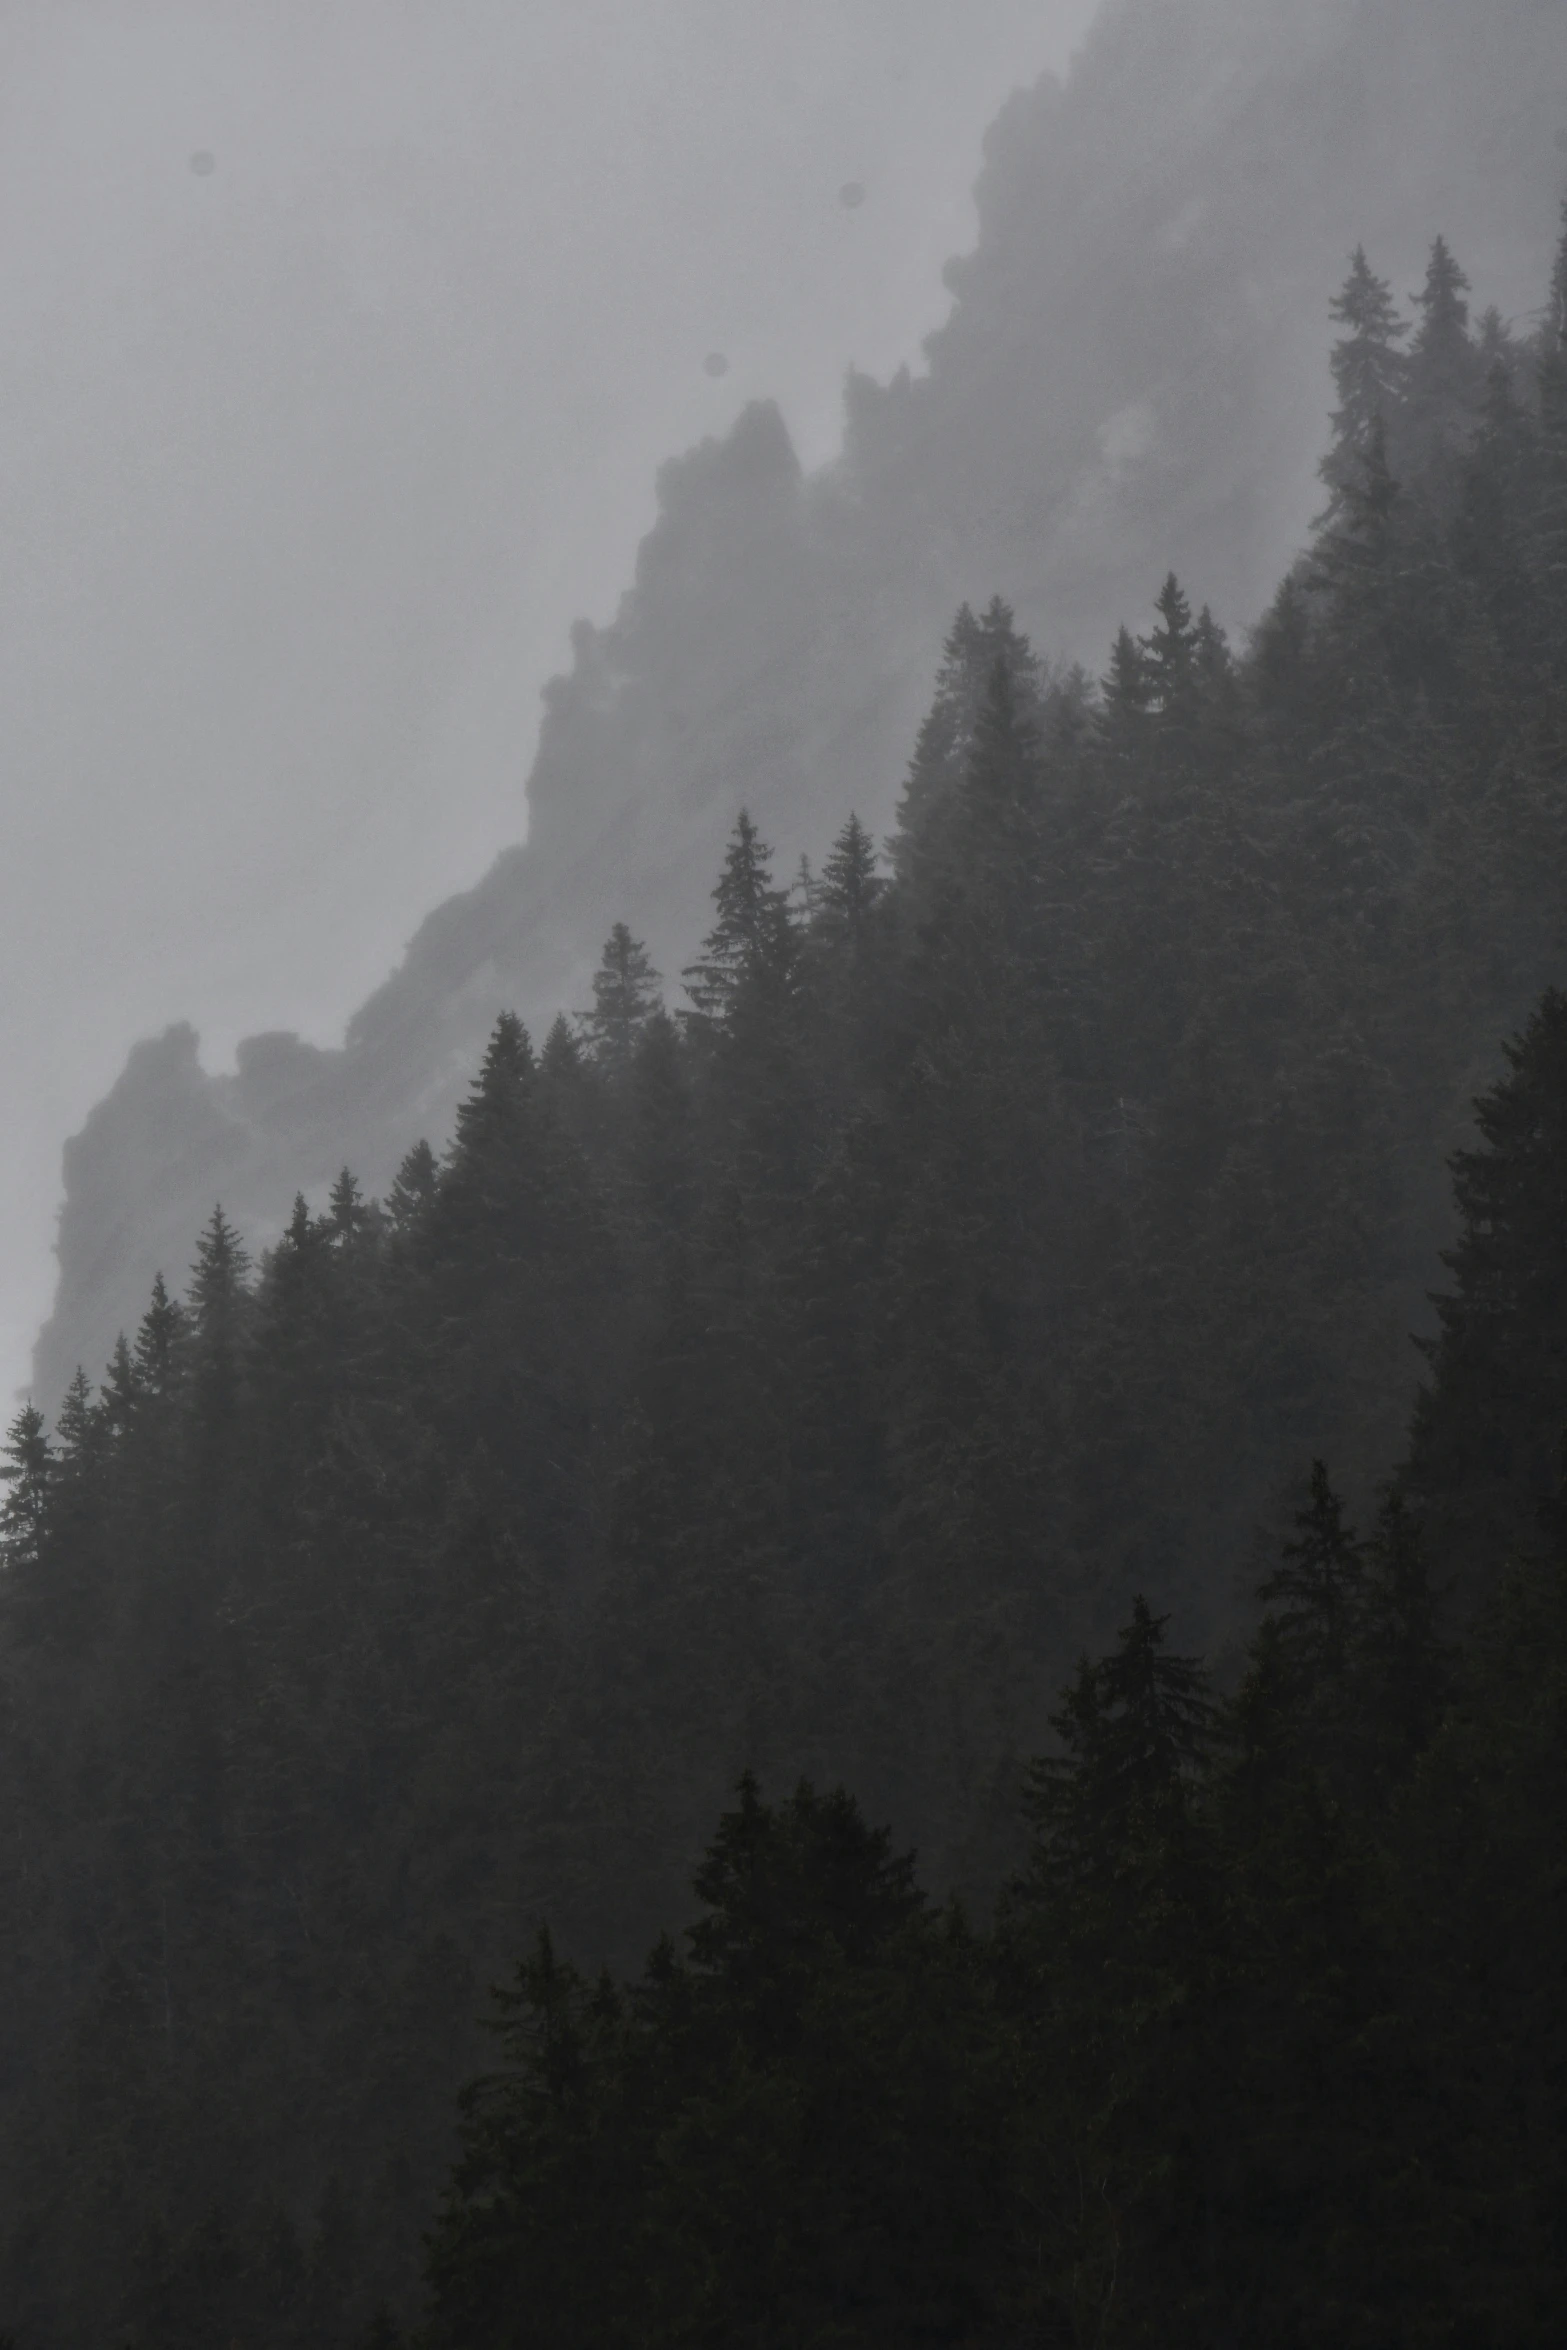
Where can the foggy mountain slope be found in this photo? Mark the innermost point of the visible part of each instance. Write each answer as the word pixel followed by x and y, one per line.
pixel 1133 376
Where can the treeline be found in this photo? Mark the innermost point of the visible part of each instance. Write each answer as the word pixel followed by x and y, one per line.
pixel 798 1381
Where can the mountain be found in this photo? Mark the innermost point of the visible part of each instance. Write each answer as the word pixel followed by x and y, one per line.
pixel 1133 376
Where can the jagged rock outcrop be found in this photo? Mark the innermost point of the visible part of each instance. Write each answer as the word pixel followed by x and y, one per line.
pixel 1133 377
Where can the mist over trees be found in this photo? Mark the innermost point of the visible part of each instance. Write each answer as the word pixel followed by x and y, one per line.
pixel 793 1374
pixel 1131 379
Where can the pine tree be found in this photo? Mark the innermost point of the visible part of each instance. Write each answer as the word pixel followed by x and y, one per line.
pixel 348 1212
pixel 220 1304
pixel 752 944
pixel 491 1116
pixel 1370 374
pixel 1169 663
pixel 949 732
pixel 413 1190
pixel 1483 1453
pixel 625 997
pixel 217 1286
pixel 1358 565
pixel 297 1338
pixel 1125 696
pixel 1444 368
pixel 66 1599
pixel 1316 1590
pixel 850 884
pixel 561 1063
pixel 27 1466
pixel 121 1391
pixel 77 1426
pixel 162 1342
pixel 1135 1728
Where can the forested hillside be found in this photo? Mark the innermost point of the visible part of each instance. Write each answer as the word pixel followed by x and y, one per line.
pixel 1131 379
pixel 968 1256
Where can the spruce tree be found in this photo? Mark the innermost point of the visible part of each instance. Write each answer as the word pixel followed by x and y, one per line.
pixel 1445 377
pixel 219 1303
pixel 850 884
pixel 1169 664
pixel 491 1116
pixel 162 1342
pixel 348 1212
pixel 1370 374
pixel 1484 1444
pixel 1134 1727
pixel 752 944
pixel 1125 695
pixel 625 997
pixel 1315 1591
pixel 27 1467
pixel 949 733
pixel 413 1190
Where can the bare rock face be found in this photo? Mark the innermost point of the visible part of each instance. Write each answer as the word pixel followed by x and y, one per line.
pixel 1133 377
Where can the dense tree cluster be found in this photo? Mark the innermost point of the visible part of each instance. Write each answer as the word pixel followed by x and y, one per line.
pixel 797 1380
pixel 1265 2043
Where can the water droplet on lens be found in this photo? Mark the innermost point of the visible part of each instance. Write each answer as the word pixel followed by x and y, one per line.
pixel 716 364
pixel 203 163
pixel 852 194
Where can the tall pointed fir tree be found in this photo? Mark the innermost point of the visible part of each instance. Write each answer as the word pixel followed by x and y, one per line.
pixel 27 1466
pixel 949 731
pixel 752 945
pixel 625 997
pixel 1484 1454
pixel 1445 377
pixel 220 1306
pixel 1314 1594
pixel 1370 374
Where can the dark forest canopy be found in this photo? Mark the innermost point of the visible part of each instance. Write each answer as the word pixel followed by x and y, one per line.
pixel 797 1382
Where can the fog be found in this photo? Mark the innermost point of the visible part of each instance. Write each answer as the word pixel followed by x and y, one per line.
pixel 341 347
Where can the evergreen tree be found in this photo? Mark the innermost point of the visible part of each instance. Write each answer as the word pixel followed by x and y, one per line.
pixel 413 1190
pixel 1370 375
pixel 850 884
pixel 1316 1590
pixel 348 1213
pixel 161 1342
pixel 1483 1453
pixel 490 1119
pixel 751 946
pixel 27 1465
pixel 1444 368
pixel 1135 1727
pixel 1169 664
pixel 1125 695
pixel 219 1309
pixel 948 735
pixel 625 997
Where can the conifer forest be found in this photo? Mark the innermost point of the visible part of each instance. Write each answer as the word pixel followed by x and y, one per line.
pixel 886 1662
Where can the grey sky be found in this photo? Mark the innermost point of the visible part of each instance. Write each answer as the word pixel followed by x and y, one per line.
pixel 308 459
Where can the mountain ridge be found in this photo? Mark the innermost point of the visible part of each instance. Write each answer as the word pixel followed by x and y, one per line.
pixel 1132 377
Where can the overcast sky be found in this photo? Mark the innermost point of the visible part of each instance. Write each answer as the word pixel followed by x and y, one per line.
pixel 341 341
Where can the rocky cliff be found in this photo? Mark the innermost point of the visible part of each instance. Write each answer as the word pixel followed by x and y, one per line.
pixel 1133 376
